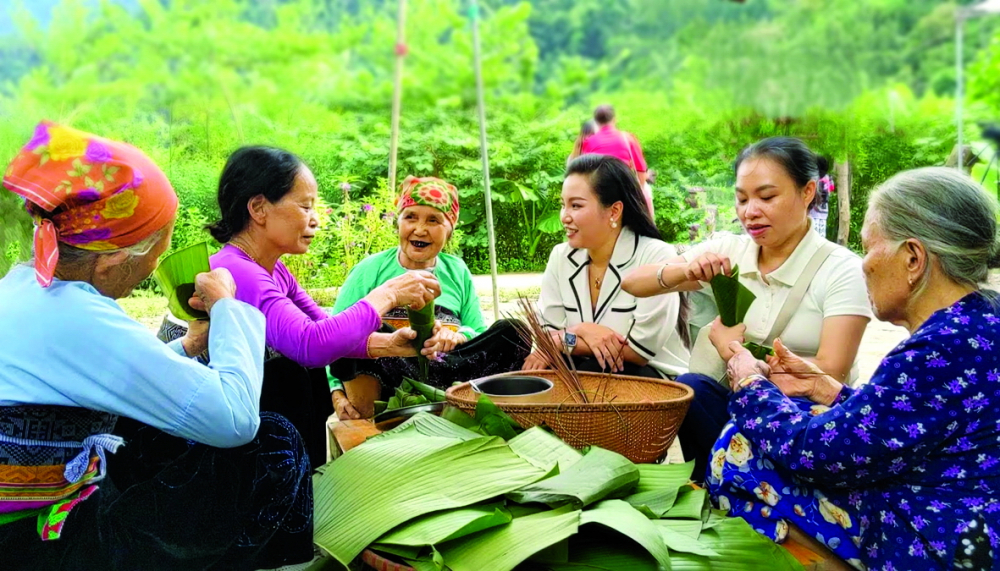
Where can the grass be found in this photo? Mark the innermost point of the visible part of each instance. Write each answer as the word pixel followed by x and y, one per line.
pixel 149 308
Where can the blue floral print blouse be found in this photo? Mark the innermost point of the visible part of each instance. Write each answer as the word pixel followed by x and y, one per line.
pixel 915 452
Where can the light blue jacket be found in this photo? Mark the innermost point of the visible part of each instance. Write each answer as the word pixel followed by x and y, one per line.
pixel 69 345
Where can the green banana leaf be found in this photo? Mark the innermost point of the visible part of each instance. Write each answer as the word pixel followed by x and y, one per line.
pixel 626 520
pixel 680 542
pixel 503 548
pixel 394 478
pixel 658 487
pixel 598 475
pixel 691 503
pixel 426 424
pixel 444 526
pixel 422 321
pixel 544 449
pixel 593 549
pixel 732 298
pixel 688 527
pixel 760 352
pixel 176 274
pixel 487 420
pixel 739 548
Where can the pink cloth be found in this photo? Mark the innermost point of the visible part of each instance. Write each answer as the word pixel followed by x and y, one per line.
pixel 297 327
pixel 610 141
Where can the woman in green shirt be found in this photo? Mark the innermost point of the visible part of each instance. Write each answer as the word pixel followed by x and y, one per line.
pixel 427 213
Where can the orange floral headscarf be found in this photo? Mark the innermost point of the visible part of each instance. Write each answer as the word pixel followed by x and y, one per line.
pixel 429 191
pixel 88 192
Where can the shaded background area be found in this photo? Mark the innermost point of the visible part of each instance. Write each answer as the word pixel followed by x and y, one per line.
pixel 189 81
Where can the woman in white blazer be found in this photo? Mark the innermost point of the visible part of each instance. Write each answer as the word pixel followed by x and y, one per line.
pixel 608 234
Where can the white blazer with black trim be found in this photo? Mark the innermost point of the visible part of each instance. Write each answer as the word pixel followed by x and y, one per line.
pixel 565 299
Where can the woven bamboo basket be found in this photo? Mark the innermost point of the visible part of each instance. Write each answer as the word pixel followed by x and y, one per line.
pixel 636 417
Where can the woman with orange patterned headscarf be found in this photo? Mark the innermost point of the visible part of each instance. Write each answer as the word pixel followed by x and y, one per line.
pixel 427 213
pixel 200 463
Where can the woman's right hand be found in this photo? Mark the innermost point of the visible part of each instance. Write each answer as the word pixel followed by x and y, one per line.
pixel 212 286
pixel 606 345
pixel 535 362
pixel 798 377
pixel 412 289
pixel 707 266
pixel 343 407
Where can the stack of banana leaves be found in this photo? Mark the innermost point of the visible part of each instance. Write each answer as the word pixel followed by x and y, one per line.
pixel 733 300
pixel 438 497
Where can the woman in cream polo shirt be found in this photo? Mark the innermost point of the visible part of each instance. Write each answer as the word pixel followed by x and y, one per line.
pixel 775 183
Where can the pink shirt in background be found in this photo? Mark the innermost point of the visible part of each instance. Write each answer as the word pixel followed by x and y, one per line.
pixel 297 327
pixel 610 141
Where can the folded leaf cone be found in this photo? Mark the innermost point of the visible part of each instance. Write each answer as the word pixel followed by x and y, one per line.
pixel 176 274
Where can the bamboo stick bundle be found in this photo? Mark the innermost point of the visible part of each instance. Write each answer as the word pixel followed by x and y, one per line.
pixel 533 328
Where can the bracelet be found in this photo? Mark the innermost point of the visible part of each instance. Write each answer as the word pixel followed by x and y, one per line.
pixel 751 379
pixel 659 276
pixel 368 346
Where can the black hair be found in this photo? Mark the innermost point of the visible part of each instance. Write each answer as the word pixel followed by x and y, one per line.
pixel 251 171
pixel 798 160
pixel 604 114
pixel 612 181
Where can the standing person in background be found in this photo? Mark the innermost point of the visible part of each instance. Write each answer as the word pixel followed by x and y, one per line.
pixel 820 207
pixel 647 192
pixel 588 128
pixel 608 140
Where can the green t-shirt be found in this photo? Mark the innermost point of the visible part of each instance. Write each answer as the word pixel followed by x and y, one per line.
pixel 458 293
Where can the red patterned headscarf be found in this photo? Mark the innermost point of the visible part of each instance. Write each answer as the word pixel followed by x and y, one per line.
pixel 429 191
pixel 88 192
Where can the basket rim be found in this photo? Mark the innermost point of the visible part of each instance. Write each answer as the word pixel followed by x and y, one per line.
pixel 572 405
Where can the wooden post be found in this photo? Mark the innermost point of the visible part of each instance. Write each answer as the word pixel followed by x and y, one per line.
pixel 397 93
pixel 844 202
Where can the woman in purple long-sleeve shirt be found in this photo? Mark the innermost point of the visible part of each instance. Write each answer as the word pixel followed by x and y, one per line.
pixel 267 198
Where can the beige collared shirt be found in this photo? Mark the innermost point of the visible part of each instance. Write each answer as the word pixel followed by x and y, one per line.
pixel 838 289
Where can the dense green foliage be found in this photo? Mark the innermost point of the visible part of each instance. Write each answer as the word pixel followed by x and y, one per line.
pixel 695 80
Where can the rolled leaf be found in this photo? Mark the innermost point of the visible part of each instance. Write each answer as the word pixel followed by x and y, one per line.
pixel 598 475
pixel 176 274
pixel 432 394
pixel 732 298
pixel 392 479
pixel 503 548
pixel 422 321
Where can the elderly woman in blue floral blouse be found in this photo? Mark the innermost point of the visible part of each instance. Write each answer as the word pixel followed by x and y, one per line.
pixel 900 473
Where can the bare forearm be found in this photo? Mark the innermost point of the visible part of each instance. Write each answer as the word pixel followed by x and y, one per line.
pixel 382 299
pixel 381 345
pixel 644 282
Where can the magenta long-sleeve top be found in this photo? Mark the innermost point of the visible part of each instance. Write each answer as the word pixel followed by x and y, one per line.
pixel 297 327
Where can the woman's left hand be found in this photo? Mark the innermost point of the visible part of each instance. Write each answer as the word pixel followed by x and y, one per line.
pixel 195 341
pixel 743 364
pixel 443 341
pixel 401 343
pixel 722 337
